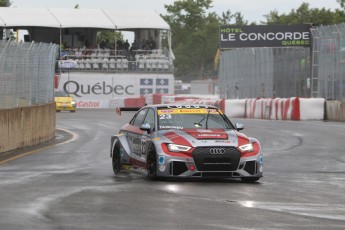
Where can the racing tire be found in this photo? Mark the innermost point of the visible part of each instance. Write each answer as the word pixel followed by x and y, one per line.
pixel 250 179
pixel 152 165
pixel 72 111
pixel 116 160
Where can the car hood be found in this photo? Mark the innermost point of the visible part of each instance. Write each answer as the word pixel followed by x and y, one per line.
pixel 204 137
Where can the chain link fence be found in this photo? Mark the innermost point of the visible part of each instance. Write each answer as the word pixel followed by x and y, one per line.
pixel 265 72
pixel 26 73
pixel 318 71
pixel 329 62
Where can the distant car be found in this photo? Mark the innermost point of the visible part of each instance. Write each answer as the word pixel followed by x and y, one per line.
pixel 185 141
pixel 64 102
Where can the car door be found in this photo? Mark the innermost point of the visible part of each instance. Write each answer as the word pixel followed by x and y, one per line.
pixel 134 133
pixel 150 119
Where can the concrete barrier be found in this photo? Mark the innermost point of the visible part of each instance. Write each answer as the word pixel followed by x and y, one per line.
pixel 26 126
pixel 234 107
pixel 312 108
pixel 285 108
pixel 293 108
pixel 335 110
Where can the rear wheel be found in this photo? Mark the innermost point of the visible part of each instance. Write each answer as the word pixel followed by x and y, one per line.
pixel 116 160
pixel 152 165
pixel 250 179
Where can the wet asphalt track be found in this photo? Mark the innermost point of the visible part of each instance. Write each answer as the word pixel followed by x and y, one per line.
pixel 71 185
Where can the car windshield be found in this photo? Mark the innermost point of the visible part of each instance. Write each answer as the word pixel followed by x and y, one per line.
pixel 187 118
pixel 61 94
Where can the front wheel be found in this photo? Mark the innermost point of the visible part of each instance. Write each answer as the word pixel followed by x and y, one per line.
pixel 250 179
pixel 116 160
pixel 152 165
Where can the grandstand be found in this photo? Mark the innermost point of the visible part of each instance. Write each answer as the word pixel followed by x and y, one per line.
pixel 89 70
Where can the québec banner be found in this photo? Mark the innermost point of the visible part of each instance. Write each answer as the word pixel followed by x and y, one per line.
pixel 232 36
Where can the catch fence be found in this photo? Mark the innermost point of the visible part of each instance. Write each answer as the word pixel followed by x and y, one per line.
pixel 26 73
pixel 329 62
pixel 318 71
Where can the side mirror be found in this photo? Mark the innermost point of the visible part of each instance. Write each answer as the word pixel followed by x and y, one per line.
pixel 145 127
pixel 239 126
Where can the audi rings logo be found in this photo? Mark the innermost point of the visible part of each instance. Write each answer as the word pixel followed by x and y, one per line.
pixel 217 151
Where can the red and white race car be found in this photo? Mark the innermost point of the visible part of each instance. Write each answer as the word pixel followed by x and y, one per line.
pixel 185 141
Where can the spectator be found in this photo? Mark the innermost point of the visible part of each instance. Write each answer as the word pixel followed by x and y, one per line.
pixel 144 44
pixel 151 44
pixel 78 53
pixel 126 45
pixel 119 45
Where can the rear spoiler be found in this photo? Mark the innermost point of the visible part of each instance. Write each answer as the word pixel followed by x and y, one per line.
pixel 118 110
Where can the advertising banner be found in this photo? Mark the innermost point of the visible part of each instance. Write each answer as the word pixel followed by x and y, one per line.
pixel 95 87
pixel 232 36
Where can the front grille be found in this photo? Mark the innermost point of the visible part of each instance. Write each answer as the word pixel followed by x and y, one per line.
pixel 226 160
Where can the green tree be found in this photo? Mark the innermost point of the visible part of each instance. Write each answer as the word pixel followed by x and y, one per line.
pixel 196 36
pixel 107 36
pixel 305 14
pixel 4 3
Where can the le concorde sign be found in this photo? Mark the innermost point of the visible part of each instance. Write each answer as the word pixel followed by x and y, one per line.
pixel 232 36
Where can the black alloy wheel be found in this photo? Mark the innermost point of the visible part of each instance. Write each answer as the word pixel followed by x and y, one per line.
pixel 116 160
pixel 152 165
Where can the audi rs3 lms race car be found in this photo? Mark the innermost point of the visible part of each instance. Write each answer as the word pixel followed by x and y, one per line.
pixel 185 141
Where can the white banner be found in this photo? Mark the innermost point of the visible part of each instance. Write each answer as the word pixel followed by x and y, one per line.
pixel 106 86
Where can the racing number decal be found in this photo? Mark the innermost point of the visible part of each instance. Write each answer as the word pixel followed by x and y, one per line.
pixel 164 116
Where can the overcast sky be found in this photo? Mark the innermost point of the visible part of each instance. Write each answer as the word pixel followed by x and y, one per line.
pixel 252 10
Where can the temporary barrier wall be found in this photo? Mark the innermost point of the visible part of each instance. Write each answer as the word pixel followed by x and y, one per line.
pixel 26 126
pixel 335 110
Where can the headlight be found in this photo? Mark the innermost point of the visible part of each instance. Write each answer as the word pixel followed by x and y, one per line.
pixel 73 102
pixel 178 148
pixel 246 148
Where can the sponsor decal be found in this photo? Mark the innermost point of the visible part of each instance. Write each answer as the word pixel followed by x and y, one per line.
pixel 204 130
pixel 165 111
pixel 88 104
pixel 264 36
pixel 162 168
pixel 170 127
pixel 221 141
pixel 100 88
pixel 161 160
pixel 188 111
pixel 209 135
pixel 261 159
